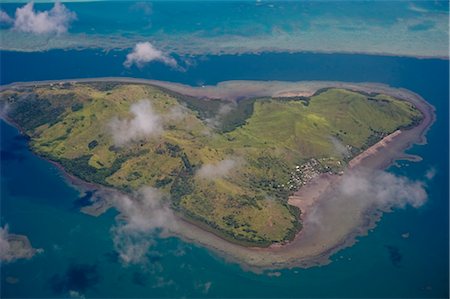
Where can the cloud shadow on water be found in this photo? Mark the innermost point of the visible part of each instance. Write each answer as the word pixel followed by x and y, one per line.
pixel 394 255
pixel 11 156
pixel 139 278
pixel 78 277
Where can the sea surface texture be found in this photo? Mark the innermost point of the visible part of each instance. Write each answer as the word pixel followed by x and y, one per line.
pixel 413 28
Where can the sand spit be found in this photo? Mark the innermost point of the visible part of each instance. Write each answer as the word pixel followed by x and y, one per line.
pixel 327 227
pixel 373 150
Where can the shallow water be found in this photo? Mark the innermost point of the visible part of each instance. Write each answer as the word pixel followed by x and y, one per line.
pixel 418 28
pixel 78 250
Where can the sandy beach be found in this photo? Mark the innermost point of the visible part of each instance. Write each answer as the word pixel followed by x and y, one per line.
pixel 338 228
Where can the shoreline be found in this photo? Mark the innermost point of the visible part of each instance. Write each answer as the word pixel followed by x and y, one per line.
pixel 294 253
pixel 288 256
pixel 267 50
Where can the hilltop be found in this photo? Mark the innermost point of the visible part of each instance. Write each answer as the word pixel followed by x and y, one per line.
pixel 228 166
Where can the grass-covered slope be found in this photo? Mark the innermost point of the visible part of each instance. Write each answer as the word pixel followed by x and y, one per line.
pixel 258 150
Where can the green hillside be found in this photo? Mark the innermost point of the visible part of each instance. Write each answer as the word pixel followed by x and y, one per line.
pixel 228 167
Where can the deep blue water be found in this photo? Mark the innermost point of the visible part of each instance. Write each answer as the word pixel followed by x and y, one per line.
pixel 78 256
pixel 397 71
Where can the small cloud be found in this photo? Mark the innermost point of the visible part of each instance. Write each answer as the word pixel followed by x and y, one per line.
pixel 144 124
pixel 339 147
pixel 416 8
pixel 363 190
pixel 144 53
pixel 55 20
pixel 383 189
pixel 431 173
pixel 176 113
pixel 5 247
pixel 203 287
pixel 145 215
pixel 206 287
pixel 216 170
pixel 75 294
pixel 224 109
pixel 144 7
pixel 13 247
pixel 405 235
pixel 164 283
pixel 5 18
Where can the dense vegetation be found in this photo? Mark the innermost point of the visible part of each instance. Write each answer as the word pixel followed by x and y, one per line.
pixel 272 147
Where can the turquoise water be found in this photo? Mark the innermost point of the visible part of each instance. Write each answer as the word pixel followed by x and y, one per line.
pixel 417 28
pixel 78 250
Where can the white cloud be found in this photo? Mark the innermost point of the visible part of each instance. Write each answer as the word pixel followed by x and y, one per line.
pixel 216 121
pixel 144 53
pixel 55 20
pixel 4 244
pixel 76 294
pixel 203 287
pixel 217 170
pixel 144 124
pixel 5 18
pixel 176 114
pixel 360 191
pixel 339 147
pixel 14 247
pixel 383 189
pixel 144 7
pixel 431 173
pixel 145 215
pixel 416 8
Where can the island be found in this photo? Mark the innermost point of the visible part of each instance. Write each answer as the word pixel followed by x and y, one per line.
pixel 241 164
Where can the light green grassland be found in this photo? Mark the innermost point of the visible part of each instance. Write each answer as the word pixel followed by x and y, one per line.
pixel 266 138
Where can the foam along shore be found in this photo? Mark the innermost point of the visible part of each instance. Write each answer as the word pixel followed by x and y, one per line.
pixel 341 219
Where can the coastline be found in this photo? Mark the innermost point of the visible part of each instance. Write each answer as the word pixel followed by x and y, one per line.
pixel 297 252
pixel 220 52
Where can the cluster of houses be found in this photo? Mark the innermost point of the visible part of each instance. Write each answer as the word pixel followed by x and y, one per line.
pixel 60 85
pixel 303 174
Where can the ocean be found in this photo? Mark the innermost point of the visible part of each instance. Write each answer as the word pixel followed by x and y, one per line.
pixel 405 256
pixel 417 28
